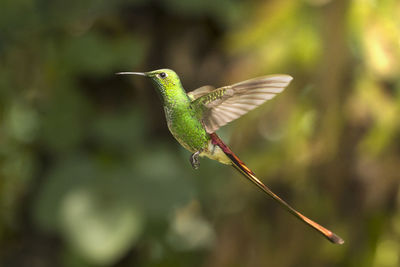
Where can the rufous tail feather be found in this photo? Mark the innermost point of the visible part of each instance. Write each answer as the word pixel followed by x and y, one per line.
pixel 242 168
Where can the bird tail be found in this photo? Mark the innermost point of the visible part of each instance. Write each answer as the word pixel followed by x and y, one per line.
pixel 242 168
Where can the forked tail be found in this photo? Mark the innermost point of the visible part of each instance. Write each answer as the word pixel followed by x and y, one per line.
pixel 241 167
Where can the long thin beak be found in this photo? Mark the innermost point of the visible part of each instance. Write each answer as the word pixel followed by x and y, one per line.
pixel 131 73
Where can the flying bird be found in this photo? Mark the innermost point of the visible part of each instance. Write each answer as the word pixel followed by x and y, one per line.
pixel 194 117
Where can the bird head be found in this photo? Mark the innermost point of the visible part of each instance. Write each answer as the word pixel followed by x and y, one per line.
pixel 165 80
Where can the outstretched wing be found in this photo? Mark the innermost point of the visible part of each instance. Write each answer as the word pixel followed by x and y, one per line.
pixel 225 104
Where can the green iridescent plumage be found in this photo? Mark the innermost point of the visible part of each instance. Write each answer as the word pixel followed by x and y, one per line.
pixel 182 119
pixel 194 117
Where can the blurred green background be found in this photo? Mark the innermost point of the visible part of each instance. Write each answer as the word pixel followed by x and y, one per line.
pixel 90 175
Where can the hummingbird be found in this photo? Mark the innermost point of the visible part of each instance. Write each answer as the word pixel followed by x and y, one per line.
pixel 193 118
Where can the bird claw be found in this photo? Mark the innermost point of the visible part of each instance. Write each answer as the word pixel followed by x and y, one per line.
pixel 194 160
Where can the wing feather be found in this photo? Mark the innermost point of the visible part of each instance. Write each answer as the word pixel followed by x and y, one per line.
pixel 225 104
pixel 200 92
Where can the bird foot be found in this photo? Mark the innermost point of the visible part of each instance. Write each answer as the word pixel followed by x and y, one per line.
pixel 194 160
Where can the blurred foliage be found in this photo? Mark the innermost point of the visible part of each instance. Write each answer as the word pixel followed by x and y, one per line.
pixel 90 176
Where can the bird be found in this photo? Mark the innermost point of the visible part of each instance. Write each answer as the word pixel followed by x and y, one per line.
pixel 193 119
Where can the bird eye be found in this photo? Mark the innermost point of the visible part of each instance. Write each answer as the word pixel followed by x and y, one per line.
pixel 163 75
